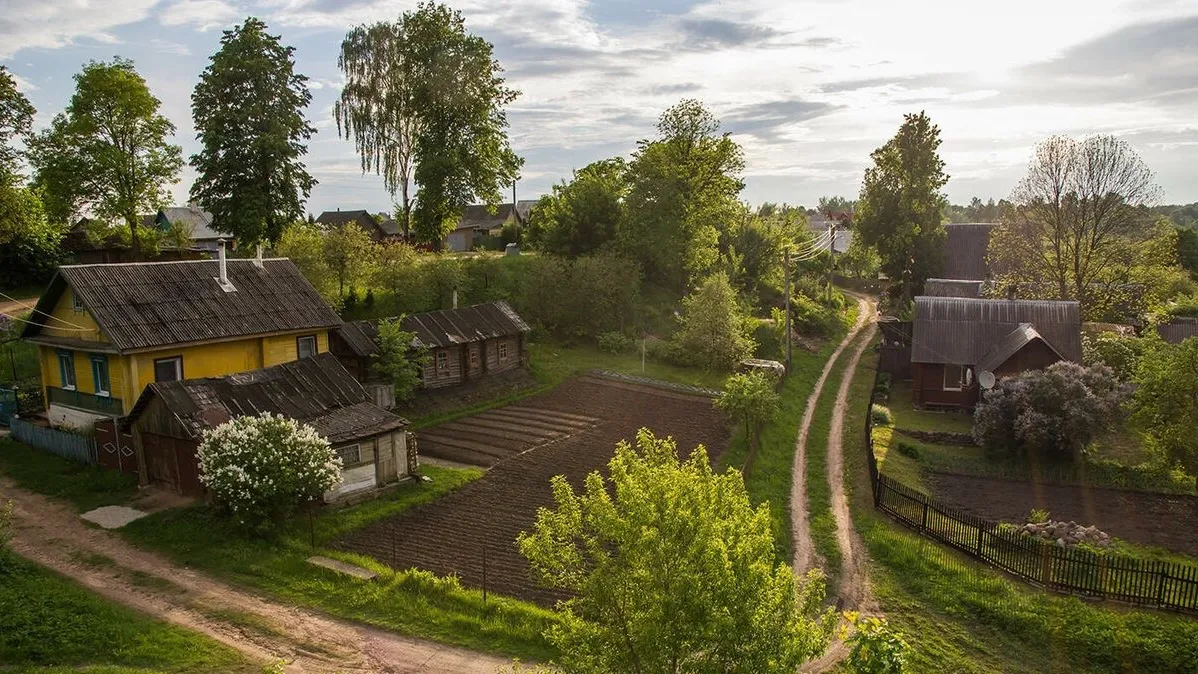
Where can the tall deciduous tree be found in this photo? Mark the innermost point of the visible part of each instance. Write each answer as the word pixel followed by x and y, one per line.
pixel 581 215
pixel 683 189
pixel 349 254
pixel 1165 402
pixel 671 569
pixel 1077 221
pixel 713 333
pixel 751 397
pixel 424 98
pixel 397 359
pixel 16 121
pixel 108 151
pixel 899 210
pixel 249 115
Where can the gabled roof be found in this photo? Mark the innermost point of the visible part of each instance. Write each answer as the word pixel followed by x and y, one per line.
pixel 962 330
pixel 844 237
pixel 1009 345
pixel 468 324
pixel 199 220
pixel 941 287
pixel 478 216
pixel 146 305
pixel 360 336
pixel 339 217
pixel 965 251
pixel 317 391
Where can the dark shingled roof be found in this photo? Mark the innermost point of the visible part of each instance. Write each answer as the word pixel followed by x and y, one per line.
pixel 478 216
pixel 317 391
pixel 199 220
pixel 965 251
pixel 941 287
pixel 1010 345
pixel 144 305
pixel 1178 329
pixel 962 330
pixel 468 324
pixel 360 336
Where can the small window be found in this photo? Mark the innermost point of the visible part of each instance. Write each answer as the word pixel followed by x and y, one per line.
pixel 350 455
pixel 473 358
pixel 103 386
pixel 168 369
pixel 502 352
pixel 66 369
pixel 305 346
pixel 442 361
pixel 76 302
pixel 952 377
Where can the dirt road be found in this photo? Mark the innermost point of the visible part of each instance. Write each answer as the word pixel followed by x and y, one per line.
pixel 804 555
pixel 54 536
pixel 17 305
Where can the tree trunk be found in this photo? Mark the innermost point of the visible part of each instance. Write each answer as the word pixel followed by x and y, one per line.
pixel 407 213
pixel 134 239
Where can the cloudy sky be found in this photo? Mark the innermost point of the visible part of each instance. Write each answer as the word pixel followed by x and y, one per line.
pixel 808 87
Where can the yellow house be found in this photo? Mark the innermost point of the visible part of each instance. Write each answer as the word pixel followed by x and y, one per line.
pixel 106 331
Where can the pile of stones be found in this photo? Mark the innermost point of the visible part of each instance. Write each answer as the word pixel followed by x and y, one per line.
pixel 1067 534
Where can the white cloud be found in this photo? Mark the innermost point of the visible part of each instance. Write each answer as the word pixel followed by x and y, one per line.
pixel 37 23
pixel 203 14
pixel 23 84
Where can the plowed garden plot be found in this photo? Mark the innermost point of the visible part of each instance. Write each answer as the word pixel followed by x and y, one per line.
pixel 452 535
pixel 487 438
pixel 1167 521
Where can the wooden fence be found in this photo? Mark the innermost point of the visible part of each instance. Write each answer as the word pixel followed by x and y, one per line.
pixel 71 446
pixel 1144 582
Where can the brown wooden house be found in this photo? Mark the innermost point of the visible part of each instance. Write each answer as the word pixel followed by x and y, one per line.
pixel 169 419
pixel 955 340
pixel 463 344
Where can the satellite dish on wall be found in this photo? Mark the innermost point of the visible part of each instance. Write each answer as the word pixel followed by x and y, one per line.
pixel 986 379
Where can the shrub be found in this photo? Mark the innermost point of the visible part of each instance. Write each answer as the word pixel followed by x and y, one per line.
pixel 883 384
pixel 712 333
pixel 616 342
pixel 873 647
pixel 664 352
pixel 368 301
pixel 351 300
pixel 260 468
pixel 1121 353
pixel 813 318
pixel 5 530
pixel 1037 516
pixel 1053 413
pixel 907 449
pixel 880 415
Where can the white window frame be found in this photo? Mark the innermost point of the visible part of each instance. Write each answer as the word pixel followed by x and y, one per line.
pixel 300 340
pixel 442 361
pixel 357 447
pixel 960 376
pixel 503 352
pixel 101 360
pixel 473 357
pixel 63 371
pixel 177 360
pixel 77 303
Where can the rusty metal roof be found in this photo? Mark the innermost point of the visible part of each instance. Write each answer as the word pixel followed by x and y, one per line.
pixel 143 305
pixel 317 391
pixel 965 251
pixel 475 323
pixel 962 330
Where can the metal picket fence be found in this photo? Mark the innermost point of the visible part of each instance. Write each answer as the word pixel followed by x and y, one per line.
pixel 80 448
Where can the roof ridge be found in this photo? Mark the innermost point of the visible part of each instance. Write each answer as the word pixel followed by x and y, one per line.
pixel 143 263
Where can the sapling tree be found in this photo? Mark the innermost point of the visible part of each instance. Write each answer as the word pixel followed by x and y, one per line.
pixel 670 568
pixel 397 359
pixel 750 397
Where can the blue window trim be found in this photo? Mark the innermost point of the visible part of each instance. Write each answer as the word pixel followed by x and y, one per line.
pixel 67 382
pixel 98 360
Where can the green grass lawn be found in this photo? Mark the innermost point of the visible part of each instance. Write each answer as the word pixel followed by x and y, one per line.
pixel 411 602
pixel 769 478
pixel 85 487
pixel 50 624
pixel 906 416
pixel 960 616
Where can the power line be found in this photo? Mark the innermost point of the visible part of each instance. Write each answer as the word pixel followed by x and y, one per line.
pixel 23 320
pixel 37 311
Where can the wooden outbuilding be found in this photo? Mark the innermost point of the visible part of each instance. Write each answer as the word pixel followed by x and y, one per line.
pixel 959 344
pixel 169 419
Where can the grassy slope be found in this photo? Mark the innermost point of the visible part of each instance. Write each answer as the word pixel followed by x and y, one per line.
pixel 85 487
pixel 49 622
pixel 961 616
pixel 769 478
pixel 410 602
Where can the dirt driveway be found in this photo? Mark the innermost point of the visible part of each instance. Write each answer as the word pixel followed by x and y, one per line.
pixel 54 536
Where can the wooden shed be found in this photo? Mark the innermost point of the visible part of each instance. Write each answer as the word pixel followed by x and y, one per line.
pixel 955 340
pixel 169 420
pixel 463 344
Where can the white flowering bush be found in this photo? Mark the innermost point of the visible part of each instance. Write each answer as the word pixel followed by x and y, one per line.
pixel 260 468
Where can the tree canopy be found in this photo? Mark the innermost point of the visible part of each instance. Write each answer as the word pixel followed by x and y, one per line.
pixel 424 95
pixel 713 332
pixel 1165 402
pixel 671 569
pixel 16 122
pixel 582 215
pixel 683 188
pixel 249 117
pixel 108 150
pixel 899 210
pixel 752 398
pixel 397 359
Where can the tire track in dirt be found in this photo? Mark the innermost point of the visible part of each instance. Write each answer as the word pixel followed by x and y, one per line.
pixel 54 536
pixel 804 554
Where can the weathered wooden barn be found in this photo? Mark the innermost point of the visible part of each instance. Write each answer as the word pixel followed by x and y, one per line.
pixel 463 344
pixel 955 341
pixel 169 419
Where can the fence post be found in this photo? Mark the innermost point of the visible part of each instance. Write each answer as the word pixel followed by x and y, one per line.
pixel 924 525
pixel 1046 563
pixel 1160 591
pixel 981 532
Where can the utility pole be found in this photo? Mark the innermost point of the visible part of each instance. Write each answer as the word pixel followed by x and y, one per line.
pixel 786 265
pixel 831 253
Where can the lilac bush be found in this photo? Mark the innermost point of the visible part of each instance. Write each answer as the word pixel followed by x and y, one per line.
pixel 1054 413
pixel 260 468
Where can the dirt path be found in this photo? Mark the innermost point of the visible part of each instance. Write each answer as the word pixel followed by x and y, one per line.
pixel 804 555
pixel 54 536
